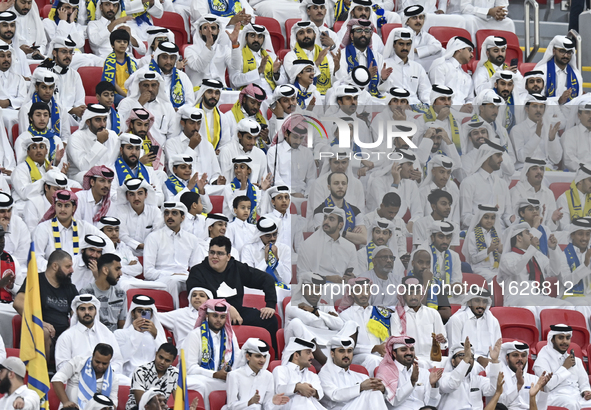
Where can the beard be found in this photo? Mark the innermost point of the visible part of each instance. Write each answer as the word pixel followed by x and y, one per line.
pixel 111 280
pixel 5 385
pixel 62 278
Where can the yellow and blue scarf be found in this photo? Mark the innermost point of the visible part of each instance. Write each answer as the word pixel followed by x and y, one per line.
pixel 509 122
pixel 239 115
pixel 249 64
pixel 57 240
pixel 341 10
pixel 379 323
pixel 115 121
pixel 573 263
pixel 430 116
pixel 350 215
pixel 353 61
pixel 272 264
pixel 224 8
pixel 574 203
pixel 55 113
pixel 446 270
pixel 91 9
pixel 491 70
pixel 571 80
pixel 34 172
pixel 481 243
pixel 217 126
pixel 323 81
pixel 175 185
pixel 301 96
pixel 177 91
pixel 251 193
pixel 124 172
pixel 110 67
pixel 207 350
pixel 50 135
pixel 87 384
pixel 369 248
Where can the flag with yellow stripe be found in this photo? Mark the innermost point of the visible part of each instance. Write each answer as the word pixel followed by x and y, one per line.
pixel 32 348
pixel 181 396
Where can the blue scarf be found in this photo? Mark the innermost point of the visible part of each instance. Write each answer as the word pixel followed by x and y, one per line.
pixel 251 193
pixel 356 148
pixel 446 270
pixel 571 80
pixel 510 113
pixel 302 96
pixel 124 172
pixel 379 323
pixel 224 8
pixel 350 215
pixel 50 135
pixel 432 301
pixel 271 269
pixel 115 121
pixel 543 241
pixel 55 113
pixel 87 384
pixel 353 61
pixel 573 263
pixel 207 360
pixel 175 185
pixel 110 67
pixel 369 252
pixel 177 92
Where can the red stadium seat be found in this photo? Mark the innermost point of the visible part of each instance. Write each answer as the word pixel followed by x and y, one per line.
pixel 16 330
pixel 572 318
pixel 277 40
pixel 455 308
pixel 74 190
pixel 225 107
pixel 459 251
pixel 243 333
pixel 281 53
pixel 174 22
pixel 304 208
pixel 409 244
pixel 513 49
pixel 556 408
pixel 559 188
pixel 307 235
pixel 293 209
pixel 497 293
pixel 387 28
pixel 280 342
pixel 513 183
pixel 286 300
pixel 12 352
pixel 359 369
pixel 217 399
pixel 574 346
pixel 255 301
pixel 162 299
pixel 337 26
pixel 15 133
pixel 294 275
pixel 444 34
pixel 122 396
pixel 517 323
pixel 32 67
pixel 45 11
pixel 269 22
pixel 471 66
pixel 288 25
pixel 217 202
pixel 525 67
pixel 90 100
pixel 183 299
pixel 40 4
pixel 474 279
pixel 273 365
pixel 87 48
pixel 90 76
pixel 406 217
pixel 192 394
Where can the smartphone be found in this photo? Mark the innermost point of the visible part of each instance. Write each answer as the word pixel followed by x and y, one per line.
pixel 264 126
pixel 146 314
pixel 35 47
pixel 154 150
pixel 572 353
pixel 514 62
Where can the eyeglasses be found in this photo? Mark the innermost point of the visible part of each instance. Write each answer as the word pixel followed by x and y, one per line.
pixel 217 253
pixel 363 30
pixel 308 70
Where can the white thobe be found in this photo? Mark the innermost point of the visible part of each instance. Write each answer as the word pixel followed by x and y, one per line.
pixel 239 233
pixel 233 150
pixel 482 262
pixel 201 8
pixel 136 227
pixel 451 188
pixel 523 190
pixel 98 37
pixel 290 229
pixel 528 144
pixel 186 83
pixel 71 372
pixel 576 142
pixel 450 73
pixel 35 208
pixel 325 256
pixel 82 277
pixel 13 88
pixel 481 78
pixel 301 323
pixel 137 348
pixel 202 62
pixel 80 340
pixel 461 392
pixel 407 189
pixel 208 127
pixel 243 384
pixel 409 397
pixel 398 241
pixel 484 188
pixel 18 242
pixel 286 378
pixel 483 332
pixel 421 231
pixel 204 159
pixel 30 397
pixel 196 225
pixel 70 89
pixel 154 176
pixel 387 296
pixel 253 254
pixel 85 152
pixel 75 29
pixel 64 117
pixel 128 280
pixel 343 72
pixel 19 60
pixel 21 152
pixel 294 167
pixel 180 321
pixel 411 76
pixel 87 207
pixel 167 122
pixel 291 57
pixel 427 47
pixel 240 79
pixel 561 77
pixel 22 185
pixel 511 397
pixel 29 28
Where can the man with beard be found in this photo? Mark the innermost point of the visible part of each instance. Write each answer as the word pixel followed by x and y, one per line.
pixel 354 229
pixel 387 272
pixel 18 242
pixel 180 88
pixel 562 77
pixel 40 201
pixel 426 46
pixel 345 388
pixel 170 251
pixel 69 85
pixel 249 106
pixel 567 387
pixel 461 386
pixel 303 75
pixel 15 392
pixel 85 332
pixel 189 143
pixel 488 103
pixel 503 83
pixel 475 321
pixel 94 201
pixel 407 385
pixel 282 103
pixel 93 144
pixel 316 11
pixel 388 210
pixel 537 135
pixel 438 176
pixel 576 141
pixel 14 88
pixel 216 126
pixel 304 47
pixel 248 131
pixel 209 57
pixel 254 60
pixel 147 90
pixel 484 186
pixel 493 52
pixel 57 294
pixel 519 385
pixel 418 321
pixel 381 231
pixel 85 263
pixel 407 73
pixel 107 17
pixel 29 29
pixel 140 123
pixel 440 202
pixel 60 230
pixel 7 33
pixel 106 289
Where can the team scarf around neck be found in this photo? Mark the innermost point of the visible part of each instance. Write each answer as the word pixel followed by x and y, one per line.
pixel 350 215
pixel 91 9
pixel 490 69
pixel 54 15
pixel 271 269
pixel 369 248
pixel 177 91
pixel 239 115
pixel 431 296
pixel 47 133
pixel 124 172
pixel 57 240
pixel 356 148
pixel 207 350
pixel 431 116
pixel 537 275
pixel 175 185
pixel 34 172
pixel 574 203
pixel 249 64
pixel 379 323
pixel 481 244
pixel 353 61
pixel 251 193
pixel 110 67
pixel 224 8
pixel 509 121
pixel 55 113
pixel 340 9
pixel 443 275
pixel 425 169
pixel 217 126
pixel 302 95
pixel 87 383
pixel 573 263
pixel 571 80
pixel 322 82
pixel 115 121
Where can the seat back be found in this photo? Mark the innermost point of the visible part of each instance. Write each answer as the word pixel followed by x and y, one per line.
pixel 359 369
pixel 162 299
pixel 192 395
pixel 16 330
pixel 572 318
pixel 244 332
pixel 517 323
pixel 217 201
pixel 277 40
pixel 13 352
pixel 183 299
pixel 217 399
pixel 497 293
pixel 281 53
pixel 474 279
pixel 280 342
pixel 444 34
pixel 559 188
pixel 387 28
pixel 513 49
pixel 174 22
pixel 90 76
pixel 269 22
pixel 224 108
pixel 122 397
pixel 288 25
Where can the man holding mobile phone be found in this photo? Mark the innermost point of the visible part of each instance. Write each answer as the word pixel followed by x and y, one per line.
pixel 493 54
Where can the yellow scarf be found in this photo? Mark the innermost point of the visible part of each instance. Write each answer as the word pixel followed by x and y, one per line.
pixel 490 69
pixel 574 203
pixel 323 81
pixel 238 114
pixel 431 116
pixel 33 170
pixel 249 63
